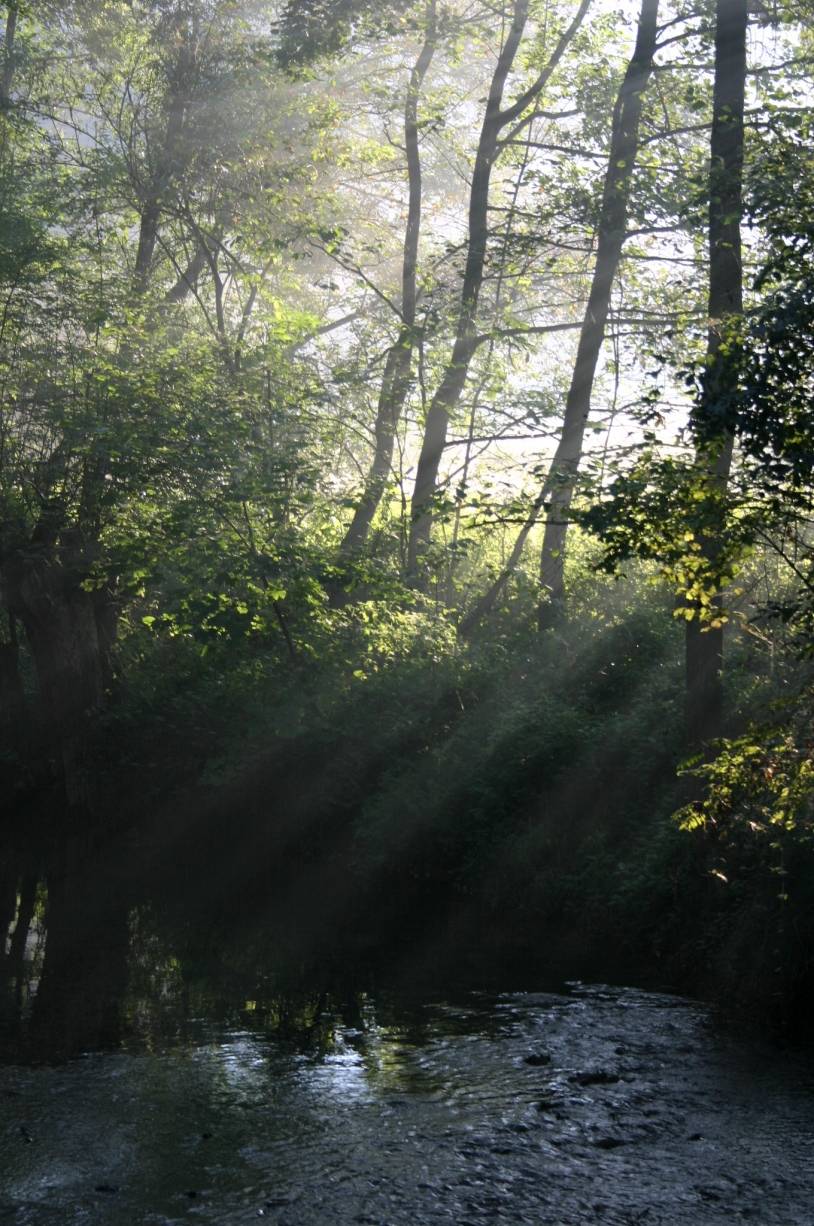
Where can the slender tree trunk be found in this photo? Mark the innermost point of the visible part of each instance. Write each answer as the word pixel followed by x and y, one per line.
pixel 147 238
pixel 187 279
pixel 8 905
pixel 84 974
pixel 163 175
pixel 704 644
pixel 398 364
pixel 454 377
pixel 12 699
pixel 560 479
pixel 24 916
pixel 470 433
pixel 7 71
pixel 611 236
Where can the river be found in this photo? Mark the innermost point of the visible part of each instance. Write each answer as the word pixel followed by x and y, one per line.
pixel 157 1067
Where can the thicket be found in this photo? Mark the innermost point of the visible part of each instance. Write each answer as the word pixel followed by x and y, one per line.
pixel 522 805
pixel 320 321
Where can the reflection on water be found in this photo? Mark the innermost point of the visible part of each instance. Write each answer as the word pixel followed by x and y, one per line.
pixel 160 1068
pixel 22 938
pixel 94 959
pixel 65 971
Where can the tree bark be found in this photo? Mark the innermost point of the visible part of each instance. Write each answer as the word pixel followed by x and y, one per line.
pixel 8 907
pixel 560 479
pixel 186 280
pixel 704 644
pixel 84 974
pixel 398 363
pixel 163 174
pixel 455 373
pixel 24 916
pixel 7 72
pixel 170 155
pixel 147 238
pixel 12 698
pixel 610 238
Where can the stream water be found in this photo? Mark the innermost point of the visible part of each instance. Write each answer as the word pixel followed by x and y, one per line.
pixel 153 1074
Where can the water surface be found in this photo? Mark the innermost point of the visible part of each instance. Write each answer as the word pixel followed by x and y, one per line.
pixel 162 1064
pixel 601 1105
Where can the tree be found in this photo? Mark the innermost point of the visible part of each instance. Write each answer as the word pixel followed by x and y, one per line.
pixel 120 197
pixel 398 363
pixel 611 232
pixel 448 392
pixel 710 420
pixel 560 482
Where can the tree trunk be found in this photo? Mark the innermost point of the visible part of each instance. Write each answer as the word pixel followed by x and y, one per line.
pixel 560 479
pixel 398 364
pixel 84 975
pixel 8 905
pixel 24 914
pixel 704 645
pixel 187 279
pixel 7 71
pixel 611 236
pixel 147 238
pixel 170 160
pixel 12 698
pixel 69 642
pixel 454 377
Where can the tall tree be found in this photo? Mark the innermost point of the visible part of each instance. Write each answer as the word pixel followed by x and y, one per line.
pixel 395 383
pixel 711 418
pixel 7 70
pixel 451 385
pixel 561 478
pixel 94 257
pixel 610 239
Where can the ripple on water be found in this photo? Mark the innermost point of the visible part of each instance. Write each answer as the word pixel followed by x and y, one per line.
pixel 639 1112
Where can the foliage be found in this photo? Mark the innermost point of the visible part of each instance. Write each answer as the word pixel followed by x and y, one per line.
pixel 757 781
pixel 662 510
pixel 310 29
pixel 204 213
